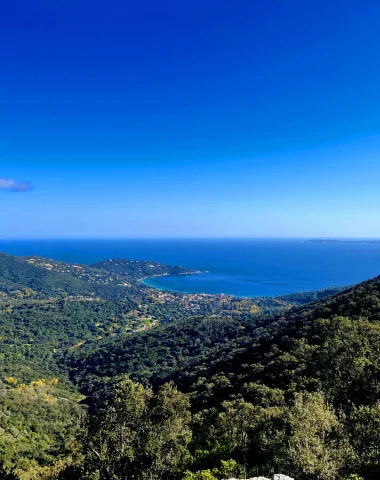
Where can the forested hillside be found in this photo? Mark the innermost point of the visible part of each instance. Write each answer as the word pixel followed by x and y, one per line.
pixel 225 386
pixel 309 378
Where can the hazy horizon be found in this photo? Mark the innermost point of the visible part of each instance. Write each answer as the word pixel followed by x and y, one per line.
pixel 192 238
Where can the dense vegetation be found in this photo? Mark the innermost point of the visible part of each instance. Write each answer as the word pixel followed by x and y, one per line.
pixel 104 378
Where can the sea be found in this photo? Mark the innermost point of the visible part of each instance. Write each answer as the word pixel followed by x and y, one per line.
pixel 241 267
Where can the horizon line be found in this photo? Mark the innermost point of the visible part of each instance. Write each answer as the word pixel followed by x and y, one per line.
pixel 197 238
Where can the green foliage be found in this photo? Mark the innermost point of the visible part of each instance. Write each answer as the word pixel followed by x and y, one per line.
pixel 316 446
pixel 138 269
pixel 38 424
pixel 135 434
pixel 365 434
pixel 200 475
pixel 258 386
pixel 34 334
pixel 229 468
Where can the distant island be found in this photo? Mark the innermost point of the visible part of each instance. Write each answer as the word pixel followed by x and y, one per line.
pixel 327 240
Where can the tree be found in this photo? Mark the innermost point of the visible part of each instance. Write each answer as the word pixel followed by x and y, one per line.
pixel 200 475
pixel 365 434
pixel 347 360
pixel 114 434
pixel 136 435
pixel 315 449
pixel 169 433
pixel 235 422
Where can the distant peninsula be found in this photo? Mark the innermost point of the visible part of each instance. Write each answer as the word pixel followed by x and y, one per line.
pixel 330 241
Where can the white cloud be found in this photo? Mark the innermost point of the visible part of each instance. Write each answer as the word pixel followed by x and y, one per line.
pixel 14 186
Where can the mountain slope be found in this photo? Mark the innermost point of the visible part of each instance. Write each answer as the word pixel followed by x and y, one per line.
pixel 271 350
pixel 298 392
pixel 266 382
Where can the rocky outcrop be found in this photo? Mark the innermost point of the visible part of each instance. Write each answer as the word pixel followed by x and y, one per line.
pixel 276 476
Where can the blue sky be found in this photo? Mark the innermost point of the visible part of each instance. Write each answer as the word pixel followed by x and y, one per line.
pixel 189 119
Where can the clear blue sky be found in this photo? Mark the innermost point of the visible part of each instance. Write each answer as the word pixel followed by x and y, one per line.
pixel 189 119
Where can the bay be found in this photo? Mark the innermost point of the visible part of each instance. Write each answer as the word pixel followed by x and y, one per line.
pixel 241 267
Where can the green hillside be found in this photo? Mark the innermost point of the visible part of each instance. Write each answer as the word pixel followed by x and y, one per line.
pixel 138 269
pixel 322 356
pixel 227 387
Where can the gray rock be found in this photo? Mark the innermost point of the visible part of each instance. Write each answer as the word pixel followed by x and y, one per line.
pixel 259 478
pixel 276 476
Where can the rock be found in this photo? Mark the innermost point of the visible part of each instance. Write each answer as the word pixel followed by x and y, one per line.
pixel 276 476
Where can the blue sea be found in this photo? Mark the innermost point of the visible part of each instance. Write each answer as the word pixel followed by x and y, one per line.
pixel 242 267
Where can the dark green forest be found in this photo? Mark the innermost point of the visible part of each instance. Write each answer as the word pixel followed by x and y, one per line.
pixel 102 377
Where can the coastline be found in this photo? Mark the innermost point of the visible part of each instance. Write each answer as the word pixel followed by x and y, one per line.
pixel 195 272
pixel 244 268
pixel 190 292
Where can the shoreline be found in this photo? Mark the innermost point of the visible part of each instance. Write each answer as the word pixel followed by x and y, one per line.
pixel 283 296
pixel 195 272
